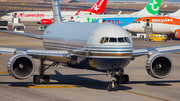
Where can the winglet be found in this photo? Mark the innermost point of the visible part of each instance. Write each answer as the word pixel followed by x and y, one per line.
pixel 78 12
pixel 99 7
pixel 57 11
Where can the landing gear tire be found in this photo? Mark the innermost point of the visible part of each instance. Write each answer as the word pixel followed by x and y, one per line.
pixel 110 87
pixel 36 79
pixel 46 79
pixel 115 86
pixel 125 79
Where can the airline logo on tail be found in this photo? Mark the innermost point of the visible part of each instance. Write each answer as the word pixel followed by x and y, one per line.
pixel 153 6
pixel 99 7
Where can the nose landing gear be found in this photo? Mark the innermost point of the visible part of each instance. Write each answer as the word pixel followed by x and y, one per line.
pixel 116 77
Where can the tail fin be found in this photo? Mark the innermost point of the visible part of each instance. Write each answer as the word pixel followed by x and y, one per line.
pixel 177 13
pixel 57 11
pixel 78 12
pixel 99 7
pixel 152 8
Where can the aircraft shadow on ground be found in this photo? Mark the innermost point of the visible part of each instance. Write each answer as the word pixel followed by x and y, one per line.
pixel 81 81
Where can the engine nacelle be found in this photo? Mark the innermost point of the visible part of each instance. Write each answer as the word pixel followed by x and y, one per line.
pixel 20 66
pixel 159 66
pixel 177 33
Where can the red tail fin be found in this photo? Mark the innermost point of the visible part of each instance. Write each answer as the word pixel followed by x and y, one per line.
pixel 65 9
pixel 99 7
pixel 78 12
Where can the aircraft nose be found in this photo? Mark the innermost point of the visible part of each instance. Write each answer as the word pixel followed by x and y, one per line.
pixel 130 27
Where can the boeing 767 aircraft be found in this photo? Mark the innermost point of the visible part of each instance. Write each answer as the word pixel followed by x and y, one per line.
pixel 101 47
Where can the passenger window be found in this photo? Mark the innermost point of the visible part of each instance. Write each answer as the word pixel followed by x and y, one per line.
pixel 113 40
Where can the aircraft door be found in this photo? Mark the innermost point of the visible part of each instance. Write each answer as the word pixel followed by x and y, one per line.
pixel 148 24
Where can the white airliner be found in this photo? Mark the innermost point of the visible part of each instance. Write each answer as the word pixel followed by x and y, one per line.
pixel 151 9
pixel 102 47
pixel 36 16
pixel 158 24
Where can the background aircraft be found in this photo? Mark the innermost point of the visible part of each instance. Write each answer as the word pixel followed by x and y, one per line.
pixel 120 21
pixel 151 9
pixel 159 24
pixel 36 16
pixel 101 47
pixel 175 14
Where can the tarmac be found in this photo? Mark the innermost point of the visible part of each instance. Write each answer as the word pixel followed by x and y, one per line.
pixel 69 84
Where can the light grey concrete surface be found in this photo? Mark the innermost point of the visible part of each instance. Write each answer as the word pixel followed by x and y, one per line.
pixel 89 85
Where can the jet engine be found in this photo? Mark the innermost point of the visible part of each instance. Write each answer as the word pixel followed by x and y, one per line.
pixel 20 66
pixel 159 66
pixel 177 33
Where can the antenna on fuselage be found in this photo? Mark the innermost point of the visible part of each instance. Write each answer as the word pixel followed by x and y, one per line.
pixel 57 11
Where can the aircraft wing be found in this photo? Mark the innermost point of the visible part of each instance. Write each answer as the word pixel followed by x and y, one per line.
pixel 149 51
pixel 35 53
pixel 24 34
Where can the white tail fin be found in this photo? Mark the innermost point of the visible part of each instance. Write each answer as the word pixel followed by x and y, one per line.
pixel 152 8
pixel 57 11
pixel 177 13
pixel 119 13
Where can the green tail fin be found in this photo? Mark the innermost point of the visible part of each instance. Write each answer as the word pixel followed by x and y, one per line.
pixel 153 6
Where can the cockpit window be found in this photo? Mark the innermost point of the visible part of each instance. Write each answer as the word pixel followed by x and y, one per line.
pixel 106 39
pixel 119 40
pixel 101 41
pixel 113 40
pixel 136 22
pixel 8 14
pixel 127 39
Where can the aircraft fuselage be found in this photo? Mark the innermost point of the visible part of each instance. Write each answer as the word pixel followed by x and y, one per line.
pixel 97 46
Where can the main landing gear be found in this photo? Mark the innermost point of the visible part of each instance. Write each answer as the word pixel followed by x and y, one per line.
pixel 45 79
pixel 116 77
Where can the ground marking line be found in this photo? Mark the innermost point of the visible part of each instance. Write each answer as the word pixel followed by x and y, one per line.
pixel 146 95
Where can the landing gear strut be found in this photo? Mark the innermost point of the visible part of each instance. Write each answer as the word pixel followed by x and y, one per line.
pixel 116 77
pixel 43 78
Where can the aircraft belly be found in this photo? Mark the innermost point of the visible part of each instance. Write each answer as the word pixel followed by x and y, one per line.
pixel 103 64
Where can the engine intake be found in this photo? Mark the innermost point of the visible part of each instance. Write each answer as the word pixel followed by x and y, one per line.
pixel 20 66
pixel 159 66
